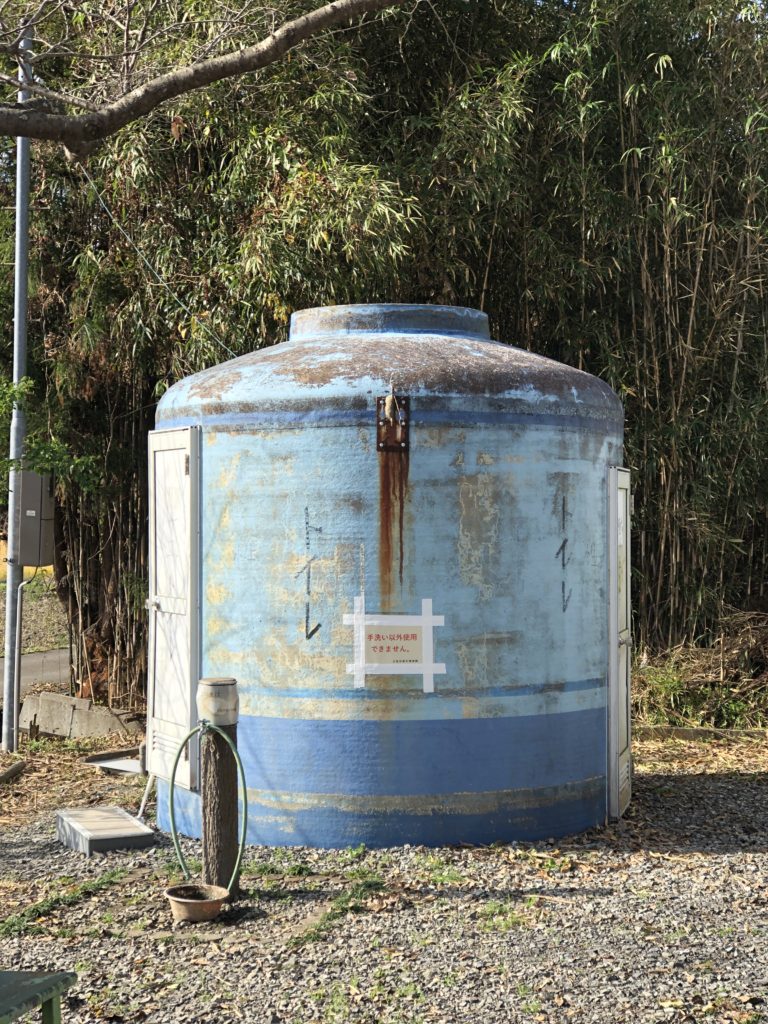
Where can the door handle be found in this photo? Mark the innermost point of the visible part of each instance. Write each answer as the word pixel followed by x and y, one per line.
pixel 152 602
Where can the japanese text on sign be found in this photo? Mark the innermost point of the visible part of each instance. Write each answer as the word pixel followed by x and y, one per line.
pixel 393 646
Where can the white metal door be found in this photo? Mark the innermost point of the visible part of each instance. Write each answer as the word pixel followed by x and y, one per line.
pixel 620 632
pixel 173 601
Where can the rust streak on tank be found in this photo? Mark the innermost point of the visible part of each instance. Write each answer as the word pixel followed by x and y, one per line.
pixel 393 490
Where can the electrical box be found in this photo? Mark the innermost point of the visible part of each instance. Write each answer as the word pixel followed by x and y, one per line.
pixel 36 506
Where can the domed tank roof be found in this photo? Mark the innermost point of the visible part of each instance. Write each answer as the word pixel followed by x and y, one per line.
pixel 337 356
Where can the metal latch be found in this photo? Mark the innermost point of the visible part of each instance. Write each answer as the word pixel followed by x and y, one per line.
pixel 393 422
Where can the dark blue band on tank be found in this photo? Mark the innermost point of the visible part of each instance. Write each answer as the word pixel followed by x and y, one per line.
pixel 558 759
pixel 414 757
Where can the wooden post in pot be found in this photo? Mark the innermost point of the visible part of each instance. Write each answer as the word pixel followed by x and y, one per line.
pixel 217 704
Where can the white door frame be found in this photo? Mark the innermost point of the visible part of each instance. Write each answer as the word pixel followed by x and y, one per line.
pixel 619 642
pixel 164 737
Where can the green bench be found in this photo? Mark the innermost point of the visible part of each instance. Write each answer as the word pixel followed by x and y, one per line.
pixel 22 991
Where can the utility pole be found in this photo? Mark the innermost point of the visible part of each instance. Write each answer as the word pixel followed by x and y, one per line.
pixel 15 571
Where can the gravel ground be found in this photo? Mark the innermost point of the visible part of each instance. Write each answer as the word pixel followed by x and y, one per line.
pixel 663 918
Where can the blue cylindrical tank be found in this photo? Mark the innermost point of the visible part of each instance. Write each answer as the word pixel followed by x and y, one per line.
pixel 404 551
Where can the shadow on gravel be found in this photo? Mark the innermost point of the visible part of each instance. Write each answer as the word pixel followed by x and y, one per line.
pixel 23 851
pixel 706 813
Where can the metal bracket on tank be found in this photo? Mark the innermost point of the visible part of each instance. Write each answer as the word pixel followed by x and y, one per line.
pixel 393 423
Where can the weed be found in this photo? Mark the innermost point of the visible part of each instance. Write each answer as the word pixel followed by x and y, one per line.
pixel 378 991
pixel 501 916
pixel 349 902
pixel 336 1008
pixel 436 870
pixel 660 695
pixel 411 991
pixel 552 861
pixel 685 689
pixel 354 853
pixel 281 862
pixel 52 744
pixel 527 1003
pixel 170 869
pixel 296 869
pixel 25 922
pixel 363 874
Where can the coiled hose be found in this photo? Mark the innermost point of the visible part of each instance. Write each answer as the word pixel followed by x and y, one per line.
pixel 203 728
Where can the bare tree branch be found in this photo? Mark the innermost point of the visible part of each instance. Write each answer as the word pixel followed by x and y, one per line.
pixel 82 133
pixel 49 94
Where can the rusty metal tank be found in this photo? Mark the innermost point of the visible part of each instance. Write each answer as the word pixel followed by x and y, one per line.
pixel 404 564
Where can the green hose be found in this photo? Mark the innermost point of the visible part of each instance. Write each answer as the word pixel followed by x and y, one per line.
pixel 203 727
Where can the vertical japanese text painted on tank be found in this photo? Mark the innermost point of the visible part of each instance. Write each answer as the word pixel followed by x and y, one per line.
pixel 563 512
pixel 310 529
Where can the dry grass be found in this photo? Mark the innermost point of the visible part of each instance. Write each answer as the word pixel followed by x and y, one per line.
pixel 55 777
pixel 723 686
pixel 739 656
pixel 670 756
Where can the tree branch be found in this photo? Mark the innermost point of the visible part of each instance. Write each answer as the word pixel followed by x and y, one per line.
pixel 49 94
pixel 82 133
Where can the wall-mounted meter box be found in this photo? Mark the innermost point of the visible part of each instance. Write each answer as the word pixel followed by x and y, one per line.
pixel 36 518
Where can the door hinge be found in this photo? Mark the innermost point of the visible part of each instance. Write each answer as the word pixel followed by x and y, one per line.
pixel 393 423
pixel 186 465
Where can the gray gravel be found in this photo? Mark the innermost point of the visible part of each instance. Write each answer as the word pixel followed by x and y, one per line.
pixel 663 918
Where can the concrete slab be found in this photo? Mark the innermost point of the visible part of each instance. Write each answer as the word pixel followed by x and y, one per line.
pixel 96 829
pixel 56 714
pixel 117 765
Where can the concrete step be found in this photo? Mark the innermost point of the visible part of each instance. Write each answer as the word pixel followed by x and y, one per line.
pixel 96 829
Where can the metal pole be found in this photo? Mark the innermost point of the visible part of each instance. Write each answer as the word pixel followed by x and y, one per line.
pixel 17 669
pixel 15 571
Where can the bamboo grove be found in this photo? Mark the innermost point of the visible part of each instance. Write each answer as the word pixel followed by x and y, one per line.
pixel 590 174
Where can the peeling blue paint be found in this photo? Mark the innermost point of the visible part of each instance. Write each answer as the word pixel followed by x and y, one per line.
pixel 276 419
